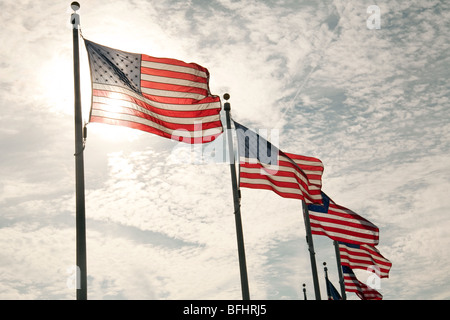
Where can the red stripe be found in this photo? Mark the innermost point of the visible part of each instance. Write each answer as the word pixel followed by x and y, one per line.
pixel 327 230
pixel 173 87
pixel 264 186
pixel 351 215
pixel 174 62
pixel 169 125
pixel 385 265
pixel 283 184
pixel 139 126
pixel 173 74
pixel 279 173
pixel 300 157
pixel 170 113
pixel 282 165
pixel 331 219
pixel 186 101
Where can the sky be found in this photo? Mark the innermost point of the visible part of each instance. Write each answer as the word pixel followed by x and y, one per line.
pixel 371 103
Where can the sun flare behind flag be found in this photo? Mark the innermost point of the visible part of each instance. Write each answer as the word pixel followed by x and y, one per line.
pixel 163 96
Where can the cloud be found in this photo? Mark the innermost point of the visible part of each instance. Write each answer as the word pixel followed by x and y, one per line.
pixel 371 104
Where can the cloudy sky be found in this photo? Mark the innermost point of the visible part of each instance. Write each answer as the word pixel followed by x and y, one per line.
pixel 372 104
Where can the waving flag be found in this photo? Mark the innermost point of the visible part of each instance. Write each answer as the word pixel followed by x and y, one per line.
pixel 364 257
pixel 352 284
pixel 341 224
pixel 264 166
pixel 312 167
pixel 163 96
pixel 332 292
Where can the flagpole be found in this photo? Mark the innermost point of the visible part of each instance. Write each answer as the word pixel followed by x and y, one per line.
pixel 237 206
pixel 341 275
pixel 79 165
pixel 309 240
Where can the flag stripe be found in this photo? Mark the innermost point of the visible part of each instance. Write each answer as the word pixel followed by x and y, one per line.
pixel 280 188
pixel 340 234
pixel 175 89
pixel 208 103
pixel 154 125
pixel 175 81
pixel 169 95
pixel 120 99
pixel 284 168
pixel 141 124
pixel 345 223
pixel 170 73
pixel 175 65
pixel 281 175
pixel 171 123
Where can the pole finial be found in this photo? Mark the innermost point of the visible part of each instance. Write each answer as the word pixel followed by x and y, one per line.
pixel 227 106
pixel 75 6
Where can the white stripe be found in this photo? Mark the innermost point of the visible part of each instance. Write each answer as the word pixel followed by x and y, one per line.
pixel 343 235
pixel 280 189
pixel 172 94
pixel 350 213
pixel 308 163
pixel 317 215
pixel 171 67
pixel 273 167
pixel 369 256
pixel 363 261
pixel 274 176
pixel 165 106
pixel 180 82
pixel 180 132
pixel 115 105
pixel 384 272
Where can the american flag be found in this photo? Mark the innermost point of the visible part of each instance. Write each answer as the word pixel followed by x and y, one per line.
pixel 341 224
pixel 332 292
pixel 163 96
pixel 264 166
pixel 352 284
pixel 364 256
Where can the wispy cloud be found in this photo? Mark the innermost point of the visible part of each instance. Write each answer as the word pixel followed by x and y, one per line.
pixel 371 104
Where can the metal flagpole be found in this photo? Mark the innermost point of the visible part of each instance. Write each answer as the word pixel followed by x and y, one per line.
pixel 237 206
pixel 309 240
pixel 341 276
pixel 79 165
